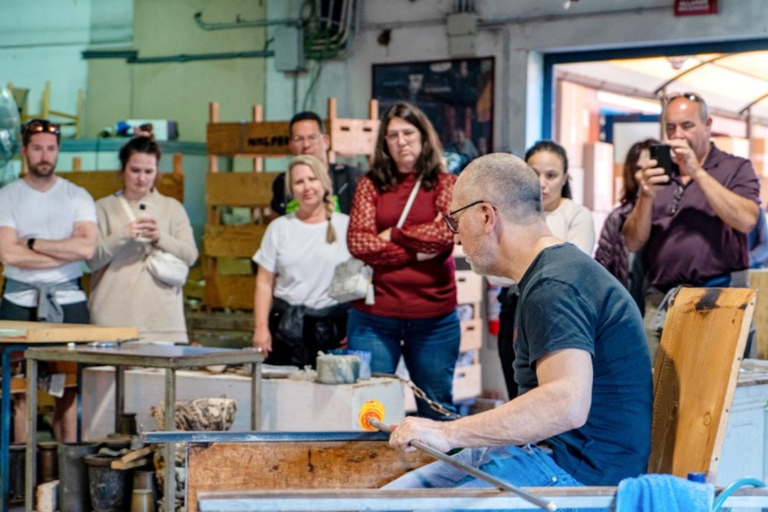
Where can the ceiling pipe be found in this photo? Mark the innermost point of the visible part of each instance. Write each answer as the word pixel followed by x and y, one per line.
pixel 198 17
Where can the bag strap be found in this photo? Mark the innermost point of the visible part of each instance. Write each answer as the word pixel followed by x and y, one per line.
pixel 132 217
pixel 126 208
pixel 409 203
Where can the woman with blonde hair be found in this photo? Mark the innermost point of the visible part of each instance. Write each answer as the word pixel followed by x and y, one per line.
pixel 294 316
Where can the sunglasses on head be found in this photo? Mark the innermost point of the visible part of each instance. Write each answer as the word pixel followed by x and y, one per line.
pixel 41 126
pixel 691 96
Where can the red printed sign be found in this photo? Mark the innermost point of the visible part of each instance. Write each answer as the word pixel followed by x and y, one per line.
pixel 695 7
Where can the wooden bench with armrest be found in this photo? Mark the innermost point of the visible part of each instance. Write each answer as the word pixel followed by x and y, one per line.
pixel 694 382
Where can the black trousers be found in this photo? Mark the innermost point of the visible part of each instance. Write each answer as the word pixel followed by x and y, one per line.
pixel 318 333
pixel 508 299
pixel 76 313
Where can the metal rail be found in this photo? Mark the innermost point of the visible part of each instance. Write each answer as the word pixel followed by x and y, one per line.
pixel 427 499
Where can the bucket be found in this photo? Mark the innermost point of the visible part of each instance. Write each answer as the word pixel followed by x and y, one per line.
pixel 17 464
pixel 73 476
pixel 107 486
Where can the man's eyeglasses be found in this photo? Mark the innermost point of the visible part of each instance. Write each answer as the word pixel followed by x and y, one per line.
pixel 41 126
pixel 453 223
pixel 672 206
pixel 312 139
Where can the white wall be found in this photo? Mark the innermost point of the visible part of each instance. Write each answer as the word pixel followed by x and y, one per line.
pixel 43 40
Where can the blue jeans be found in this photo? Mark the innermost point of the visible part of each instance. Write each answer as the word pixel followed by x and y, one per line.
pixel 521 466
pixel 429 347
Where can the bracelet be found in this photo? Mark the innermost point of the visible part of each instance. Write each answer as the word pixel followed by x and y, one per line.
pixel 31 244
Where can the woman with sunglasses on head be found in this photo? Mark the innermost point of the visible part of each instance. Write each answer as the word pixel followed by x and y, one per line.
pixel 293 313
pixel 413 313
pixel 135 224
pixel 612 253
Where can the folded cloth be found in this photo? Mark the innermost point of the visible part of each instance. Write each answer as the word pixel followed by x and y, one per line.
pixel 663 493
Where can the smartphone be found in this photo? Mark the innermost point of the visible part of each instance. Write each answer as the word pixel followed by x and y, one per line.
pixel 145 210
pixel 662 153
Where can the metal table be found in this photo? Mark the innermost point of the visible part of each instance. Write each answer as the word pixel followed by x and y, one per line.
pixel 18 336
pixel 168 357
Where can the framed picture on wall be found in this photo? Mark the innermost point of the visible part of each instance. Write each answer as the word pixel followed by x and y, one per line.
pixel 456 95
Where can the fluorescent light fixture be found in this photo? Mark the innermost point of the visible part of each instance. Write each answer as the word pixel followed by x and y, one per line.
pixel 643 105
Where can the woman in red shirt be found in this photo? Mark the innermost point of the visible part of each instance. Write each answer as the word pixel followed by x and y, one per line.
pixel 414 314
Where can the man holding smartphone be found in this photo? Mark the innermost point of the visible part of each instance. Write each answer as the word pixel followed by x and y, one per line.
pixel 696 224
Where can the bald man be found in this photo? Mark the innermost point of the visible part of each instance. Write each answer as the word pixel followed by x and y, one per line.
pixel 583 415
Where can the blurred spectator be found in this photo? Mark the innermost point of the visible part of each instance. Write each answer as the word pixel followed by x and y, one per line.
pixel 757 242
pixel 612 253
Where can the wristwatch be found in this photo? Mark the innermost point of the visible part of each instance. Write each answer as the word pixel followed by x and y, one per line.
pixel 31 244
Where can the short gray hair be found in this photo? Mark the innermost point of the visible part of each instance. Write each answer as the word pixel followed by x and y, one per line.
pixel 508 183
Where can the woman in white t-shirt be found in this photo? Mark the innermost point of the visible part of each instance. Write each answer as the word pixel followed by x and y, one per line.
pixel 566 219
pixel 294 316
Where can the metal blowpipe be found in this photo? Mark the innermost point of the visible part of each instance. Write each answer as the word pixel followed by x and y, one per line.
pixel 477 473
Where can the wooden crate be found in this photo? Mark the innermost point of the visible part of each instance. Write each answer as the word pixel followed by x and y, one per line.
pixel 290 464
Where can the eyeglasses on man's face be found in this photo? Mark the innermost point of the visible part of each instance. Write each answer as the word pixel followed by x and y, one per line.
pixel 41 126
pixel 453 222
pixel 312 139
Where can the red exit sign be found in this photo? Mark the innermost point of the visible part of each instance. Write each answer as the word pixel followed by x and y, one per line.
pixel 695 7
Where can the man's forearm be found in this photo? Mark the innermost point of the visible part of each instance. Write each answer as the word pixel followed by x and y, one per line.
pixel 67 249
pixel 532 417
pixel 637 227
pixel 16 255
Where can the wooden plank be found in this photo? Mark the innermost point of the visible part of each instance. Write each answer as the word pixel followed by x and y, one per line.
pixel 267 138
pixel 43 332
pixel 213 117
pixel 239 189
pixel 136 454
pixel 286 465
pixel 350 137
pixel 758 279
pixel 235 292
pixel 119 464
pixel 233 241
pixel 171 184
pixel 104 183
pixel 19 384
pixel 695 378
pixel 219 321
pixel 98 183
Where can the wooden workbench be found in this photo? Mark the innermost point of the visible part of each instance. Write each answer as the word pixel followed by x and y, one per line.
pixel 18 336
